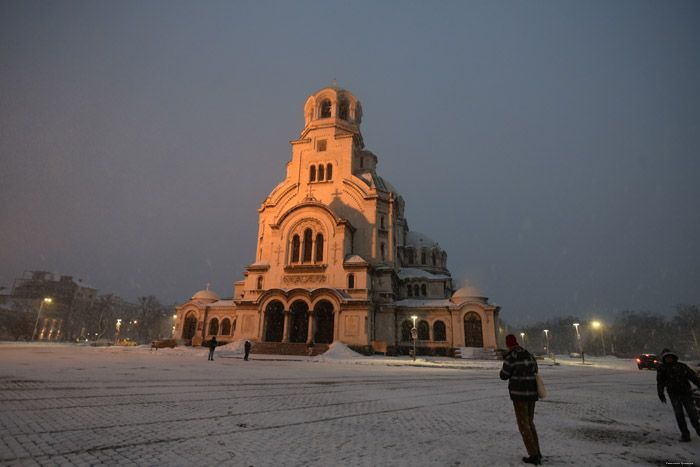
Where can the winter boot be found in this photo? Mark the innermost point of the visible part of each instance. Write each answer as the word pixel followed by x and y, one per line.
pixel 535 460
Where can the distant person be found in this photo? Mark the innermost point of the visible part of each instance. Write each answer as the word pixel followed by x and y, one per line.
pixel 676 377
pixel 519 367
pixel 212 347
pixel 247 347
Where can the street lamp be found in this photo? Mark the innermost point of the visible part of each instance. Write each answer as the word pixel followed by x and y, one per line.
pixel 549 349
pixel 522 335
pixel 596 324
pixel 580 349
pixel 116 335
pixel 414 333
pixel 174 319
pixel 36 325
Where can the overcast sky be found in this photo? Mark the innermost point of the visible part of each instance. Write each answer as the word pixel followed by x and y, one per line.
pixel 551 148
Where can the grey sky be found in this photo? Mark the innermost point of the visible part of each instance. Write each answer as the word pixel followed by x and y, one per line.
pixel 551 148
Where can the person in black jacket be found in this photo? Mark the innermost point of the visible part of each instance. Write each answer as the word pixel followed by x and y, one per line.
pixel 519 367
pixel 246 347
pixel 676 378
pixel 212 346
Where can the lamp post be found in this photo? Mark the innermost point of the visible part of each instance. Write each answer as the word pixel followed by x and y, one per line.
pixel 174 320
pixel 596 324
pixel 522 335
pixel 549 349
pixel 580 349
pixel 36 325
pixel 414 333
pixel 116 335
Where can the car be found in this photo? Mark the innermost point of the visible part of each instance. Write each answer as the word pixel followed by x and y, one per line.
pixel 648 360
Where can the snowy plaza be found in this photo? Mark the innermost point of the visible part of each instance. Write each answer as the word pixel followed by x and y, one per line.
pixel 81 405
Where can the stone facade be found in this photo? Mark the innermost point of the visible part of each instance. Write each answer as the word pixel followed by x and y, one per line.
pixel 335 259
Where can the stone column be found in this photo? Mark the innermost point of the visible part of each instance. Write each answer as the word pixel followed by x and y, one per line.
pixel 310 332
pixel 285 333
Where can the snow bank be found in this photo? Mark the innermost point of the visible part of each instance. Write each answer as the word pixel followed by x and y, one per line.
pixel 338 351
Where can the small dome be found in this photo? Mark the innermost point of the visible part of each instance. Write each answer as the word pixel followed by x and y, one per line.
pixel 205 296
pixel 468 293
pixel 419 240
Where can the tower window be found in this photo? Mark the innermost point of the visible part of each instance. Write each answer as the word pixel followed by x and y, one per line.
pixel 308 240
pixel 320 173
pixel 343 110
pixel 329 171
pixel 381 222
pixel 381 250
pixel 319 248
pixel 322 145
pixel 351 281
pixel 326 109
pixel 260 282
pixel 295 249
pixel 312 173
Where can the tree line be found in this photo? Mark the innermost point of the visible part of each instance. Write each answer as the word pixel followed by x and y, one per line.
pixel 629 334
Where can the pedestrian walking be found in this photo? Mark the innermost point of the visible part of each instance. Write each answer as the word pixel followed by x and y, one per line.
pixel 675 377
pixel 247 347
pixel 519 368
pixel 212 346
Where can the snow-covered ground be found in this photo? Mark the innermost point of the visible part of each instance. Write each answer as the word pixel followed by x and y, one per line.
pixel 79 405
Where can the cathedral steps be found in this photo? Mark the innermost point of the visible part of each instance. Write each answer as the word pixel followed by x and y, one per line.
pixel 286 348
pixel 478 353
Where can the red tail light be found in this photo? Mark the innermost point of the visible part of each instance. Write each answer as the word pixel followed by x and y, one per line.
pixel 639 360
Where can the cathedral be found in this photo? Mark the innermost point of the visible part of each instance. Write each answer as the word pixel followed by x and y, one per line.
pixel 335 259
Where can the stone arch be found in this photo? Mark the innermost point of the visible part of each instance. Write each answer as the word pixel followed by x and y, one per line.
pixel 324 322
pixel 273 327
pixel 214 327
pixel 189 327
pixel 473 330
pixel 226 327
pixel 298 321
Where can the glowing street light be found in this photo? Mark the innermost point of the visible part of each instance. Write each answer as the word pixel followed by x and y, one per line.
pixel 549 349
pixel 414 333
pixel 580 349
pixel 596 324
pixel 36 325
pixel 174 319
pixel 522 335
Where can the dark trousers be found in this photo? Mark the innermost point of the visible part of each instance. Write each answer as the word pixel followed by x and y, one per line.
pixel 247 352
pixel 680 401
pixel 211 353
pixel 525 416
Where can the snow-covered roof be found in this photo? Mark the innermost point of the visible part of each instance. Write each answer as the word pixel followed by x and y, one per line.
pixel 354 259
pixel 417 273
pixel 205 296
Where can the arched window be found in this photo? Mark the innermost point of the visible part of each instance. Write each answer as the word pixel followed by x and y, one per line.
pixel 308 245
pixel 319 248
pixel 351 281
pixel 406 327
pixel 422 257
pixel 381 251
pixel 439 332
pixel 423 331
pixel 343 110
pixel 260 282
pixel 381 223
pixel 312 173
pixel 423 290
pixel 326 109
pixel 295 249
pixel 411 255
pixel 214 327
pixel 320 173
pixel 409 290
pixel 329 171
pixel 415 290
pixel 226 327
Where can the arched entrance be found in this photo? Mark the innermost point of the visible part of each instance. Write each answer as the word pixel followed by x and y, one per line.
pixel 274 322
pixel 298 321
pixel 324 322
pixel 473 334
pixel 189 327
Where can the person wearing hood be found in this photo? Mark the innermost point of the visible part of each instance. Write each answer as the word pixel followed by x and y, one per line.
pixel 675 377
pixel 519 368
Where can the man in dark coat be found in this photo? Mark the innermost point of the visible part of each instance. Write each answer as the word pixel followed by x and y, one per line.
pixel 676 377
pixel 246 347
pixel 212 346
pixel 519 367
